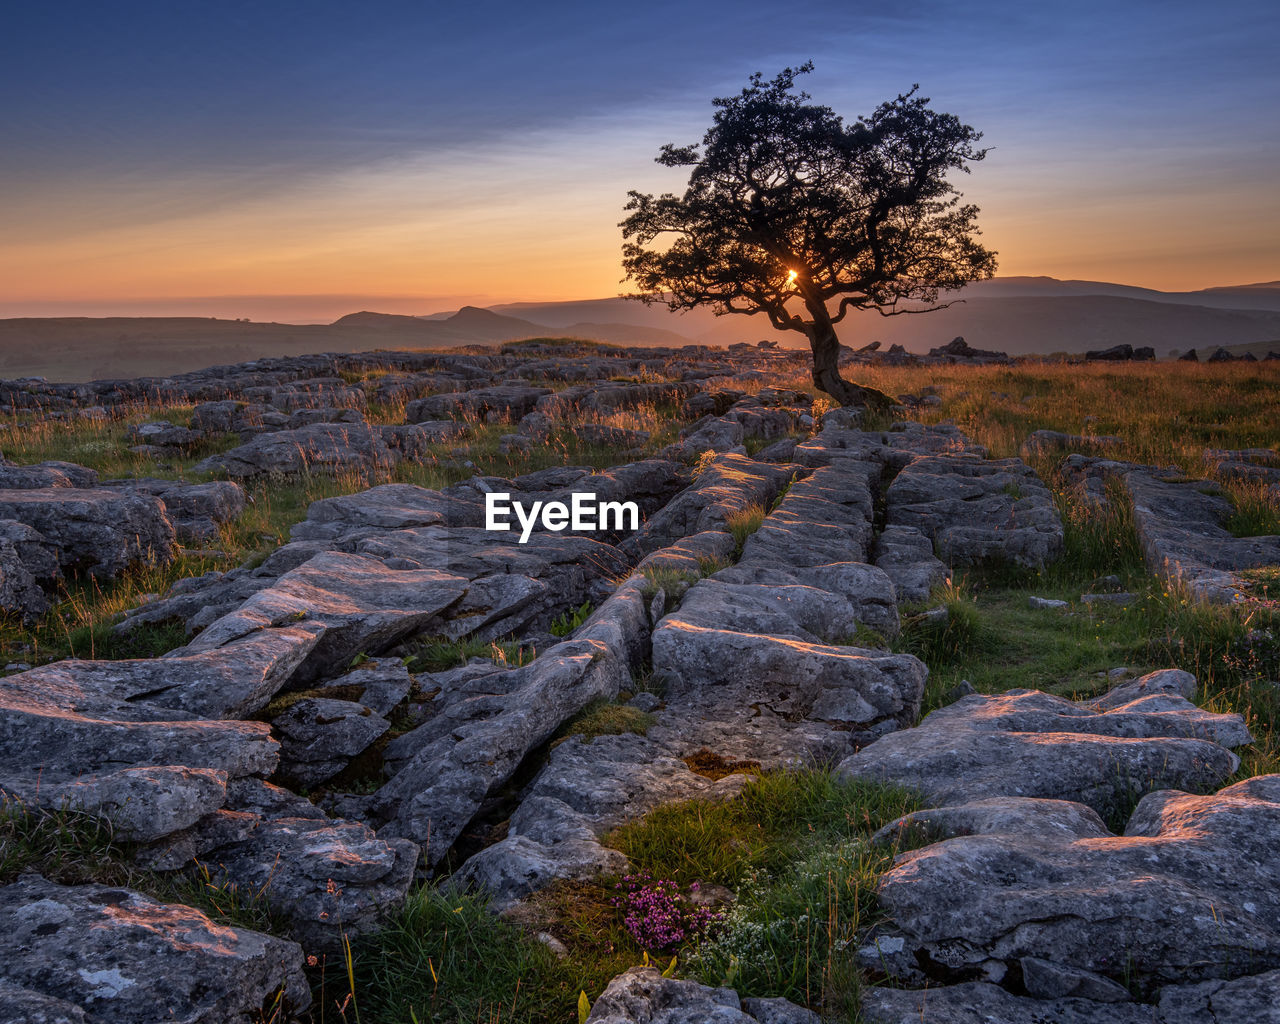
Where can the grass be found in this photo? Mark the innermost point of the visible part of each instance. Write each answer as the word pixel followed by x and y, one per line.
pixel 1256 510
pixel 75 848
pixel 794 848
pixel 66 846
pixel 669 581
pixel 777 815
pixel 82 611
pixel 150 640
pixel 565 623
pixel 949 632
pixel 446 959
pixel 605 718
pixel 743 523
pixel 438 654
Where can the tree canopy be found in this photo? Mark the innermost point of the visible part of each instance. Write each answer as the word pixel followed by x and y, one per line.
pixel 793 213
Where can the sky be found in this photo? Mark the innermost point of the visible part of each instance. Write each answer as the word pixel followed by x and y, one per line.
pixel 300 159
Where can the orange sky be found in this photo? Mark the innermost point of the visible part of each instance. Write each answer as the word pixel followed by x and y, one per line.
pixel 152 158
pixel 528 228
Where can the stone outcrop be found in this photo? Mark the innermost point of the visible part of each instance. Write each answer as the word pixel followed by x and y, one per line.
pixel 984 1003
pixel 958 349
pixel 1183 539
pixel 642 994
pixel 976 510
pixel 481 733
pixel 1187 893
pixel 28 563
pixel 60 725
pixel 352 604
pixel 320 735
pixel 96 953
pixel 324 876
pixel 197 511
pixel 729 484
pixel 734 652
pixel 1032 744
pixel 94 530
pixel 317 448
pixel 508 402
pixel 749 674
pixel 906 556
pixel 45 474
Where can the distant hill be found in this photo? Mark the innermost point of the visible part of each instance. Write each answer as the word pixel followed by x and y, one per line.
pixel 1024 326
pixel 1253 296
pixel 84 348
pixel 1019 315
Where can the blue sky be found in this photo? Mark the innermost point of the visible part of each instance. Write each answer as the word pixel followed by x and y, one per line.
pixel 433 153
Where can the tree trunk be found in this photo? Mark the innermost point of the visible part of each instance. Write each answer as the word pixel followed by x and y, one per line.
pixel 826 371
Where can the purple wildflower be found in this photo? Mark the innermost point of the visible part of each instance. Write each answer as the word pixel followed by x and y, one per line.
pixel 658 915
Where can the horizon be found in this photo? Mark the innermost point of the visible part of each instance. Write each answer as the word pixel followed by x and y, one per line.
pixel 243 307
pixel 162 155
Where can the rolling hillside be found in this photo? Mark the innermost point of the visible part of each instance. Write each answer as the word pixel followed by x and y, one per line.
pixel 1023 315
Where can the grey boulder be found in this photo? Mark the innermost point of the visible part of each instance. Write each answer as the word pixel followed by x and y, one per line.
pixel 26 560
pixel 1033 744
pixel 317 448
pixel 45 474
pixel 975 509
pixel 642 996
pixel 978 1002
pixel 862 690
pixel 95 530
pixel 1188 893
pixel 196 510
pixel 353 603
pixel 320 735
pixel 125 958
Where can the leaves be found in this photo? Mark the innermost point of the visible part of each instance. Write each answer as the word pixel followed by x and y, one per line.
pixel 788 209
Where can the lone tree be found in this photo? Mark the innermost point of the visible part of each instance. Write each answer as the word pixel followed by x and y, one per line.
pixel 792 213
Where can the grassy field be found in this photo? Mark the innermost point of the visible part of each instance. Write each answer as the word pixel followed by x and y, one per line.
pixel 795 846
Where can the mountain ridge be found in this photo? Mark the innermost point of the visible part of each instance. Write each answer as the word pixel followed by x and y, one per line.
pixel 1018 315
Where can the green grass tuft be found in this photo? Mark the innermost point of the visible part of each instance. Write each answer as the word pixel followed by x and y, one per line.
pixel 1257 510
pixel 66 846
pixel 444 958
pixel 962 633
pixel 777 816
pixel 794 847
pixel 743 523
pixel 565 623
pixel 438 654
pixel 605 718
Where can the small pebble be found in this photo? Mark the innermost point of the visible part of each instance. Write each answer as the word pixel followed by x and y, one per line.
pixel 962 689
pixel 555 945
pixel 645 702
pixel 1047 602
